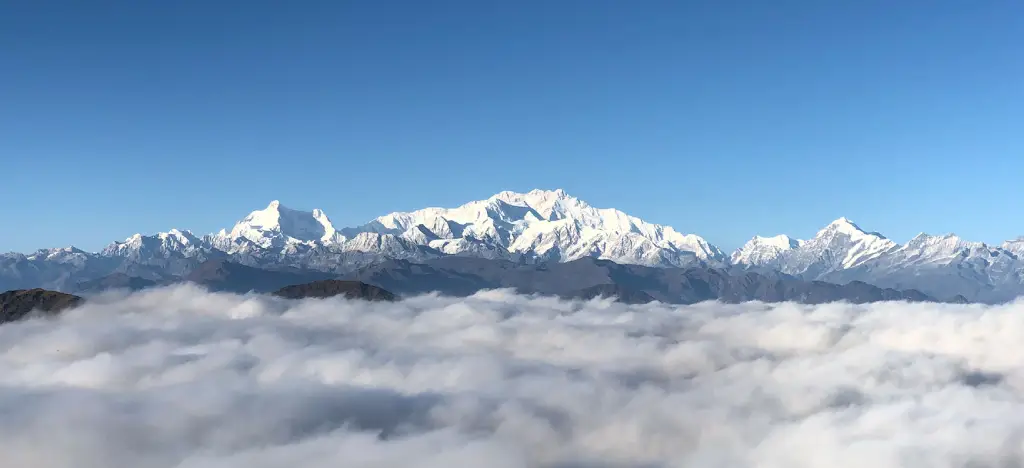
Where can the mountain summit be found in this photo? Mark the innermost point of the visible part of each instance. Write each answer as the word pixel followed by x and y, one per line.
pixel 547 225
pixel 278 226
pixel 764 251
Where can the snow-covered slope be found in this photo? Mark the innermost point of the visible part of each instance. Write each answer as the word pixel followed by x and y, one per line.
pixel 840 245
pixel 162 245
pixel 278 227
pixel 1015 246
pixel 548 225
pixel 534 226
pixel 764 251
pixel 942 266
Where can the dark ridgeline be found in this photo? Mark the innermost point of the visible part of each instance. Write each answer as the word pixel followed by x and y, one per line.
pixel 216 275
pixel 585 278
pixel 21 303
pixel 17 304
pixel 222 275
pixel 588 278
pixel 331 288
pixel 114 281
pixel 614 291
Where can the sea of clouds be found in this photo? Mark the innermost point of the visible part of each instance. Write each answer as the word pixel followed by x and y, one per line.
pixel 180 377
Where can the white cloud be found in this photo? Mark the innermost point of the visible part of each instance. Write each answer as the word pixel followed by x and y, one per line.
pixel 179 377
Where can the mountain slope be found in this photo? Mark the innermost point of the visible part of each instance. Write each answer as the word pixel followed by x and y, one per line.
pixel 614 291
pixel 588 277
pixel 18 304
pixel 220 275
pixel 331 288
pixel 114 281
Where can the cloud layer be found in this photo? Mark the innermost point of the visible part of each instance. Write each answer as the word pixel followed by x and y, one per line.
pixel 179 377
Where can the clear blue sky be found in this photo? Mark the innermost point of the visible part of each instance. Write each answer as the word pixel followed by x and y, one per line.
pixel 723 119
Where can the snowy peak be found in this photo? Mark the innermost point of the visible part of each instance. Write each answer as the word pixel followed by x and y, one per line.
pixel 548 205
pixel 533 197
pixel 943 249
pixel 60 254
pixel 780 241
pixel 923 239
pixel 764 251
pixel 852 244
pixel 1015 246
pixel 277 226
pixel 184 237
pixel 847 227
pixel 159 245
pixel 842 244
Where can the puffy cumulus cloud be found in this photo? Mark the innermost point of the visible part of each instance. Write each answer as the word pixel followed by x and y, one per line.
pixel 179 377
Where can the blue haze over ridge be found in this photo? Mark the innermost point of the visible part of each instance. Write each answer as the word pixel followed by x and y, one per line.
pixel 723 119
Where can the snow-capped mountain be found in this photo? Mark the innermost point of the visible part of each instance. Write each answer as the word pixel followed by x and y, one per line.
pixel 764 251
pixel 525 227
pixel 278 227
pixel 161 245
pixel 1015 246
pixel 550 225
pixel 943 266
pixel 540 225
pixel 839 246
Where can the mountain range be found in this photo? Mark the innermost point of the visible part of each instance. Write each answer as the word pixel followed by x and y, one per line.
pixel 537 228
pixel 584 278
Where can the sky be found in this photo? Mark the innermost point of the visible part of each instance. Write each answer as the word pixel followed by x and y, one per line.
pixel 724 119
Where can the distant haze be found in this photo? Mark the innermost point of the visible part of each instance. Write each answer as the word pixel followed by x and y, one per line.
pixel 181 377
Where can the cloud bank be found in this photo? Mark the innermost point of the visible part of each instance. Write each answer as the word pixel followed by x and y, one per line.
pixel 180 377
